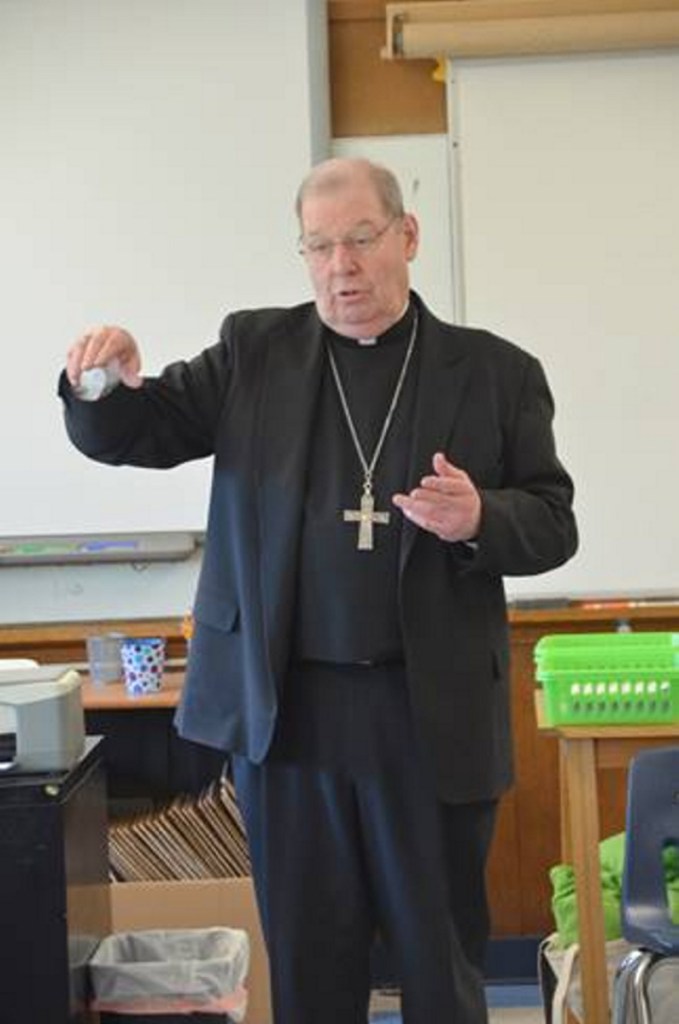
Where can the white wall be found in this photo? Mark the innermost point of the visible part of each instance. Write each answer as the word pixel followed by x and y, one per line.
pixel 150 153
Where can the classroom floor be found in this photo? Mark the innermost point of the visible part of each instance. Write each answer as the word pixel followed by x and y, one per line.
pixel 508 1004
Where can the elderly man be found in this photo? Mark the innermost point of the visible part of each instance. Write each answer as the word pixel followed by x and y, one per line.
pixel 376 473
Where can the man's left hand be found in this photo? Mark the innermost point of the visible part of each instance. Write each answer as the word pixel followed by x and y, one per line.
pixel 446 503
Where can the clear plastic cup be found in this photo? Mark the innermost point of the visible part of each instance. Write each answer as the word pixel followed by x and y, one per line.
pixel 104 658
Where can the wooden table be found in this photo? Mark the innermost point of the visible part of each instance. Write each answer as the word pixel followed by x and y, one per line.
pixel 114 697
pixel 583 750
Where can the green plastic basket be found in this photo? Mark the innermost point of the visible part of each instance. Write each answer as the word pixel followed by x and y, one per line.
pixel 609 678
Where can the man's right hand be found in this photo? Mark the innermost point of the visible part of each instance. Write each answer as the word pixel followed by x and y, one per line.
pixel 101 345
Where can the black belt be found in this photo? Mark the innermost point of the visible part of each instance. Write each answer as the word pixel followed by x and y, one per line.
pixel 391 661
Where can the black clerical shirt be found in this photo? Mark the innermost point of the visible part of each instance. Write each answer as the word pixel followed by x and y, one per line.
pixel 347 604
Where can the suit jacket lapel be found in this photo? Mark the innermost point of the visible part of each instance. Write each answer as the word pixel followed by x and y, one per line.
pixel 292 375
pixel 442 379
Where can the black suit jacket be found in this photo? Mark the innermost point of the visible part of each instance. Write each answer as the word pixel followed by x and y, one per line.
pixel 248 401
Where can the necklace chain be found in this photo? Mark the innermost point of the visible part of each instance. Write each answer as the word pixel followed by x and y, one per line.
pixel 369 466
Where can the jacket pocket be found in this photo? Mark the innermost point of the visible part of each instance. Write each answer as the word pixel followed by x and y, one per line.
pixel 219 613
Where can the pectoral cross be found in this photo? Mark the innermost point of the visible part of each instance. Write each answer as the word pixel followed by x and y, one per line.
pixel 365 517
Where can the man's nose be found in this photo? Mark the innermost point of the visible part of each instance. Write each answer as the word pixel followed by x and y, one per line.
pixel 343 256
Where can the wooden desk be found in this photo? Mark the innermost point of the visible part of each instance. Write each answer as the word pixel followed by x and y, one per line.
pixel 114 697
pixel 583 750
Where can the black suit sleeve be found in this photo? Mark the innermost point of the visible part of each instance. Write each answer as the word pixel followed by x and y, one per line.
pixel 527 523
pixel 171 419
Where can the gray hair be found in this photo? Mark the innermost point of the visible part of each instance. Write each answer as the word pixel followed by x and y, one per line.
pixel 332 175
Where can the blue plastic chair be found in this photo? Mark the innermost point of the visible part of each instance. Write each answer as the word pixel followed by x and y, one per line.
pixel 652 825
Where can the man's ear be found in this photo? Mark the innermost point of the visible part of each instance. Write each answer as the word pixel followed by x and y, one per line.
pixel 411 233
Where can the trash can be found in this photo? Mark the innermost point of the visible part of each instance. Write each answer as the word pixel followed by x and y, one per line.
pixel 181 976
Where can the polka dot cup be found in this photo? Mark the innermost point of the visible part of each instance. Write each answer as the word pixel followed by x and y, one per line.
pixel 143 661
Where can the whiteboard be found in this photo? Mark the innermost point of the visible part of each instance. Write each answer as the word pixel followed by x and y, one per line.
pixel 565 193
pixel 150 154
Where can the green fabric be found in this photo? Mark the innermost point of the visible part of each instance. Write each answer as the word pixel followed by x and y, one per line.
pixel 611 860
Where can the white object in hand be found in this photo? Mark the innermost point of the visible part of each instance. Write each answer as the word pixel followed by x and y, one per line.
pixel 98 381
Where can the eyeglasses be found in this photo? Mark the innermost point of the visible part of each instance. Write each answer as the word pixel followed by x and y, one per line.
pixel 357 243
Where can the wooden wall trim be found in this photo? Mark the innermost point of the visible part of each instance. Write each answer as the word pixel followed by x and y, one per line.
pixel 480 10
pixel 58 642
pixel 600 615
pixel 355 10
pixel 56 632
pixel 483 28
pixel 526 621
pixel 371 96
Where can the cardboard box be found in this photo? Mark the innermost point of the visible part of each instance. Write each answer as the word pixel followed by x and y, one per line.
pixel 230 902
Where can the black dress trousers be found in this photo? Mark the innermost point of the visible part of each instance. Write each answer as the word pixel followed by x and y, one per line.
pixel 348 840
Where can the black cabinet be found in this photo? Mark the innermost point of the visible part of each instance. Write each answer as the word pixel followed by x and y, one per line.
pixel 53 889
pixel 147 763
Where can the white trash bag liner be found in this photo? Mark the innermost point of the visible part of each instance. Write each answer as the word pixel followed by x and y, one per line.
pixel 202 968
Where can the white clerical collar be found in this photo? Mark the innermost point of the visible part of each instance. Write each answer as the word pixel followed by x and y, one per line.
pixel 373 341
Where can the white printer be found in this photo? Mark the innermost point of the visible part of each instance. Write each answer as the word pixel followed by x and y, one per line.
pixel 42 707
